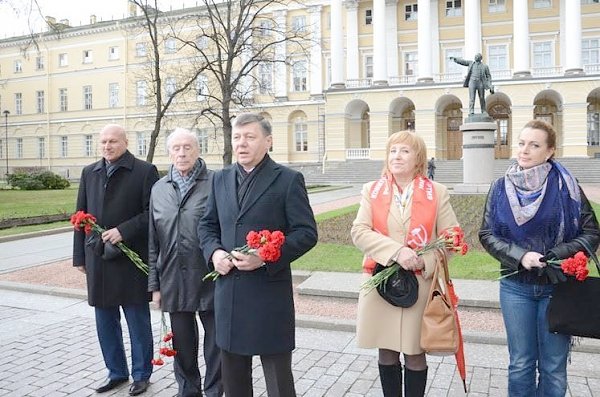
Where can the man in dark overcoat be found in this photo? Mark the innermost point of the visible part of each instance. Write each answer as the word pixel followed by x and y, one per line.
pixel 177 266
pixel 254 307
pixel 116 190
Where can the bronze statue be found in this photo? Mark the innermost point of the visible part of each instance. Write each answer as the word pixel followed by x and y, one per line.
pixel 478 80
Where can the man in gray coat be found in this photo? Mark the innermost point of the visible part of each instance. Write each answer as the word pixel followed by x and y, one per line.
pixel 478 80
pixel 177 264
pixel 116 190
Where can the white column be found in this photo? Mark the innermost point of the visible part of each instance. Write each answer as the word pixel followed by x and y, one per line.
pixel 391 13
pixel 424 41
pixel 352 60
pixel 281 72
pixel 316 62
pixel 472 28
pixel 521 39
pixel 573 63
pixel 379 46
pixel 337 45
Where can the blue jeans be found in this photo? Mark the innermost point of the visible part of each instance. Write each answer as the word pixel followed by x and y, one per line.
pixel 110 336
pixel 530 345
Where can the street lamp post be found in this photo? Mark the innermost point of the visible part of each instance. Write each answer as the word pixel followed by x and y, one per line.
pixel 6 113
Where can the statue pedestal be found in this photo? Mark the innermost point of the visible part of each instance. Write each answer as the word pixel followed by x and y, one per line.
pixel 478 154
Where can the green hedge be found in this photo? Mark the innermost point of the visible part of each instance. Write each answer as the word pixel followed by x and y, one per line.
pixel 37 180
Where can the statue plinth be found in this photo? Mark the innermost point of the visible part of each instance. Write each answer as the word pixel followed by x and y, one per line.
pixel 478 154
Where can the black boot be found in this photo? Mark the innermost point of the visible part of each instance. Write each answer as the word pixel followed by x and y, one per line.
pixel 391 380
pixel 415 382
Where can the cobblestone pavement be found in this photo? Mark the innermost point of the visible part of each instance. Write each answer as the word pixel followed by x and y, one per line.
pixel 50 349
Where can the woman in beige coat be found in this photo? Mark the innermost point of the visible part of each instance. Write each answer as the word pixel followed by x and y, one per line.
pixel 398 214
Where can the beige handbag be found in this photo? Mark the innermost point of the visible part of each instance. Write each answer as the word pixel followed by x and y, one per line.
pixel 439 329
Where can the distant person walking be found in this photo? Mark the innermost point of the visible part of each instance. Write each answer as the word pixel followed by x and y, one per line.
pixel 431 168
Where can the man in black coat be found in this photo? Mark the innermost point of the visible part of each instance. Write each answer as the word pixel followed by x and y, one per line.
pixel 177 266
pixel 116 190
pixel 254 306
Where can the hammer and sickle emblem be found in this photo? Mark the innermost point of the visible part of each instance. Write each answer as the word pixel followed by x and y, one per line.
pixel 418 237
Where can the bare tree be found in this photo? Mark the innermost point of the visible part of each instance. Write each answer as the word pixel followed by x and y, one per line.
pixel 235 38
pixel 161 27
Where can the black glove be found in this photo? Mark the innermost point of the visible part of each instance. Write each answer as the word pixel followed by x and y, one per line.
pixel 554 274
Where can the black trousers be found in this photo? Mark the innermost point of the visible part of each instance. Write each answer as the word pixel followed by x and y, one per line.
pixel 237 374
pixel 185 341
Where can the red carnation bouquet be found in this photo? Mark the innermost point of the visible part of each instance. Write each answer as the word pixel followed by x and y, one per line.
pixel 265 244
pixel 165 343
pixel 575 266
pixel 451 239
pixel 87 222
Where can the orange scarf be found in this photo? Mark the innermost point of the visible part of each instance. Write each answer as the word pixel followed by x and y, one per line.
pixel 423 212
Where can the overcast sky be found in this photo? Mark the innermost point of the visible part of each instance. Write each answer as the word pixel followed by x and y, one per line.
pixel 17 15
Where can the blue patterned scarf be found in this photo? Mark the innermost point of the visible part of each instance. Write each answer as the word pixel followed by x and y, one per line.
pixel 538 208
pixel 185 183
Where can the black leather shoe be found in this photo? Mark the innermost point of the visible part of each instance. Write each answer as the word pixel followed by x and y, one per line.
pixel 138 387
pixel 109 384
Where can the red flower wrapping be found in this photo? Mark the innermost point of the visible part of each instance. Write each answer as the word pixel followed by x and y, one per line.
pixel 266 244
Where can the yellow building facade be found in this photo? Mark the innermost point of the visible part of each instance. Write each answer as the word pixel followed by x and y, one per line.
pixel 370 68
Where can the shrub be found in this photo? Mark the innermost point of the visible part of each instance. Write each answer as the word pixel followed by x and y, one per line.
pixel 45 180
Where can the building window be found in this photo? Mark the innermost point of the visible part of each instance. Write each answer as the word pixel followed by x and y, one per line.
pixel 87 97
pixel 201 87
pixel 19 148
pixel 140 93
pixel 201 42
pixel 453 8
pixel 265 77
pixel 63 60
pixel 170 46
pixel 41 148
pixel 18 66
pixel 590 51
pixel 368 17
pixel 542 54
pixel 113 53
pixel 299 74
pixel 142 144
pixel 410 12
pixel 39 102
pixel 63 100
pixel 411 63
pixel 593 129
pixel 88 146
pixel 87 56
pixel 39 63
pixel 170 87
pixel 368 64
pixel 542 3
pixel 496 6
pixel 64 146
pixel 503 126
pixel 498 57
pixel 299 23
pixel 140 49
pixel 264 28
pixel 18 103
pixel 301 134
pixel 203 140
pixel 452 68
pixel 113 95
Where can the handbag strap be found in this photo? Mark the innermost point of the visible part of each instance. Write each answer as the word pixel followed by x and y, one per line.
pixel 590 251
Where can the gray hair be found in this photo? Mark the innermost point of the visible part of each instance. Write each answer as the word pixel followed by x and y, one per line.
pixel 177 132
pixel 249 118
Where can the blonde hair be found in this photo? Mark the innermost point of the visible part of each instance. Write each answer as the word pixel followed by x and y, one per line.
pixel 415 142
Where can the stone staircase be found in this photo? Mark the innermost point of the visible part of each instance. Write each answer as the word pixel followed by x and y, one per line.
pixel 449 172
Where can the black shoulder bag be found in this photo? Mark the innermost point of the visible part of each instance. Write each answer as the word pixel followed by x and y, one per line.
pixel 574 305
